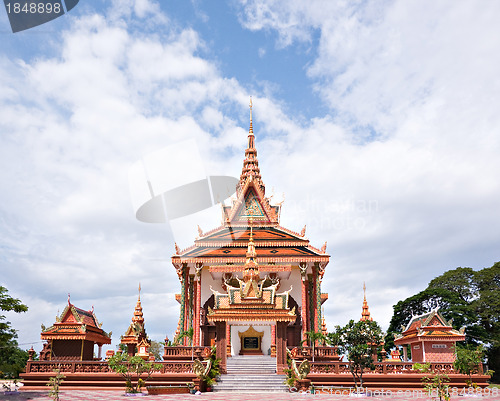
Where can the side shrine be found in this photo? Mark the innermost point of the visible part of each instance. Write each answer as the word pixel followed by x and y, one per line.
pixel 250 295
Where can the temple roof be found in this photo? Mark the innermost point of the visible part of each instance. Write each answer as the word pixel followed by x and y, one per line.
pixel 227 245
pixel 76 324
pixel 430 325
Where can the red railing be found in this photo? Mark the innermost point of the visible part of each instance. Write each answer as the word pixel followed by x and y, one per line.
pixel 98 367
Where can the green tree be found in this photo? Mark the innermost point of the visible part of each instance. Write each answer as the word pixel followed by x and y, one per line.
pixel 359 341
pixel 468 360
pixel 156 348
pixel 312 338
pixel 132 369
pixel 12 359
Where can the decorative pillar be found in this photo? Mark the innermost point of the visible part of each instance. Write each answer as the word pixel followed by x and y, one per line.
pixel 281 347
pixel 197 305
pixel 310 303
pixel 228 339
pixel 273 340
pixel 405 353
pixel 316 299
pixel 220 345
pixel 182 316
pixel 99 351
pixel 304 308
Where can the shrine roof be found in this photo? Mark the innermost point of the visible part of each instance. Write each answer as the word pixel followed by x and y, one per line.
pixel 75 324
pixel 430 325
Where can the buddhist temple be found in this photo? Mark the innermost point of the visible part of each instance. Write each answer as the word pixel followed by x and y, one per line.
pixel 250 273
pixel 73 336
pixel 431 338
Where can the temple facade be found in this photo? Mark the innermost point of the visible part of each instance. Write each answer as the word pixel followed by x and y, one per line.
pixel 250 285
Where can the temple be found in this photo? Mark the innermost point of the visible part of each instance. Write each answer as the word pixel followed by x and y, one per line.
pixel 250 275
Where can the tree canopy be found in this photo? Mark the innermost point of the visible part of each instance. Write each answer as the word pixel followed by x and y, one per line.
pixel 359 341
pixel 12 359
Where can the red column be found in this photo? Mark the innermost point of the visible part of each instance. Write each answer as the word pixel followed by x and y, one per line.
pixel 228 339
pixel 273 340
pixel 221 353
pixel 186 304
pixel 197 309
pixel 315 298
pixel 305 308
pixel 281 347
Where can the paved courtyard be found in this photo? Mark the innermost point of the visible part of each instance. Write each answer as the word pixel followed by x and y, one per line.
pixel 118 396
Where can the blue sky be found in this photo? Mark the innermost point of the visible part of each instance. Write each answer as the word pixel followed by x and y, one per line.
pixel 378 121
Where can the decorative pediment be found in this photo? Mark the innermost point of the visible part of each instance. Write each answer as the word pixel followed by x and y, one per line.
pixel 251 332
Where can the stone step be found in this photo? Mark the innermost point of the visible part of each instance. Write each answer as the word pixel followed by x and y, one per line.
pixel 251 374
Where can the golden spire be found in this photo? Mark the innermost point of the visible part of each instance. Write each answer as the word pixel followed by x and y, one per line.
pixel 138 315
pixel 250 163
pixel 365 313
pixel 251 122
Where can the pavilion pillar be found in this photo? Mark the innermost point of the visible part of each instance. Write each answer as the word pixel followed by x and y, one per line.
pixel 99 351
pixel 316 299
pixel 182 316
pixel 273 340
pixel 197 309
pixel 220 345
pixel 281 347
pixel 304 308
pixel 405 353
pixel 228 339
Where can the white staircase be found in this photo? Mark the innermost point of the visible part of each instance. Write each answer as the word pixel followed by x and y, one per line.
pixel 251 374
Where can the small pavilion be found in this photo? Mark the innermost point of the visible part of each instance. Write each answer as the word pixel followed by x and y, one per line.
pixel 73 336
pixel 431 338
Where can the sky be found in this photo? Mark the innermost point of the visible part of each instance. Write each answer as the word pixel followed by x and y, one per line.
pixel 377 123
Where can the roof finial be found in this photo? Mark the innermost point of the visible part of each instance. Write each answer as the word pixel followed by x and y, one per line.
pixel 69 296
pixel 364 290
pixel 139 291
pixel 251 122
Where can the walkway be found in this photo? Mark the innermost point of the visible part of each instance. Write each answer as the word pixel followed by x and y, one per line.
pixel 118 396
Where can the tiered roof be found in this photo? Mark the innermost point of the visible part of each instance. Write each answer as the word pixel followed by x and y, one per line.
pixel 276 245
pixel 365 313
pixel 137 330
pixel 429 326
pixel 76 324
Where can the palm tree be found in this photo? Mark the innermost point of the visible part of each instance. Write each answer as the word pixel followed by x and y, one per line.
pixel 189 334
pixel 312 337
